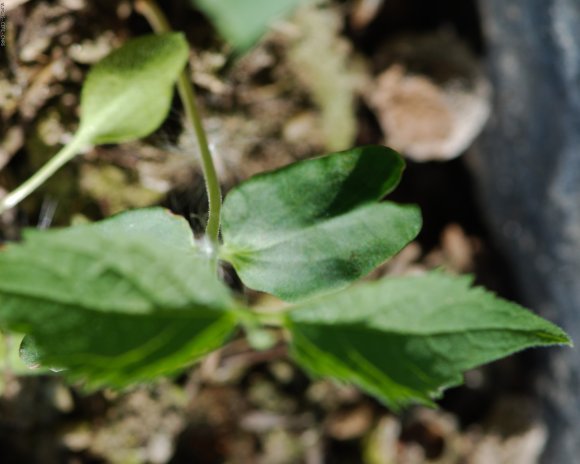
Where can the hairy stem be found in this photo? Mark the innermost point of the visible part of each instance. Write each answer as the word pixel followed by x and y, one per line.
pixel 159 23
pixel 66 153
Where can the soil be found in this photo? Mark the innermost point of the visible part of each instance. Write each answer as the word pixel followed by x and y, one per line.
pixel 262 110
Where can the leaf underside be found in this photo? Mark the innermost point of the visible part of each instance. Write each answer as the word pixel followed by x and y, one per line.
pixel 316 225
pixel 404 340
pixel 128 94
pixel 114 302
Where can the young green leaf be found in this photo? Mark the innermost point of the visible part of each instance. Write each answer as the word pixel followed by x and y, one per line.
pixel 114 302
pixel 243 23
pixel 316 225
pixel 404 340
pixel 127 95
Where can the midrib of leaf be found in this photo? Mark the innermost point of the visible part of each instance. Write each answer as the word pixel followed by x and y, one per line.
pixel 151 346
pixel 234 251
pixel 432 333
pixel 381 379
pixel 187 354
pixel 109 264
pixel 89 132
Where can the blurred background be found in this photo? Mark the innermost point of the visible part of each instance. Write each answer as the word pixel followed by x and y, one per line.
pixel 482 98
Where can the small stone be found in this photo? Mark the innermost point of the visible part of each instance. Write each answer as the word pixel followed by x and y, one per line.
pixel 350 424
pixel 160 449
pixel 431 98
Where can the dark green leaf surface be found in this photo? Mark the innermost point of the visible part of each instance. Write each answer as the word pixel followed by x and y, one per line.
pixel 316 225
pixel 127 95
pixel 242 23
pixel 115 302
pixel 404 340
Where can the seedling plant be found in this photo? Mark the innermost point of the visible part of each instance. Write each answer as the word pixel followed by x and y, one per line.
pixel 137 296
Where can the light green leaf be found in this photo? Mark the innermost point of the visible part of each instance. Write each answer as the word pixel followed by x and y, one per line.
pixel 242 23
pixel 315 225
pixel 127 95
pixel 115 302
pixel 404 340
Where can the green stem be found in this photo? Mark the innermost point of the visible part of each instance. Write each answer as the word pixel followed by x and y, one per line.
pixel 258 325
pixel 159 23
pixel 212 185
pixel 66 153
pixel 259 318
pixel 270 318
